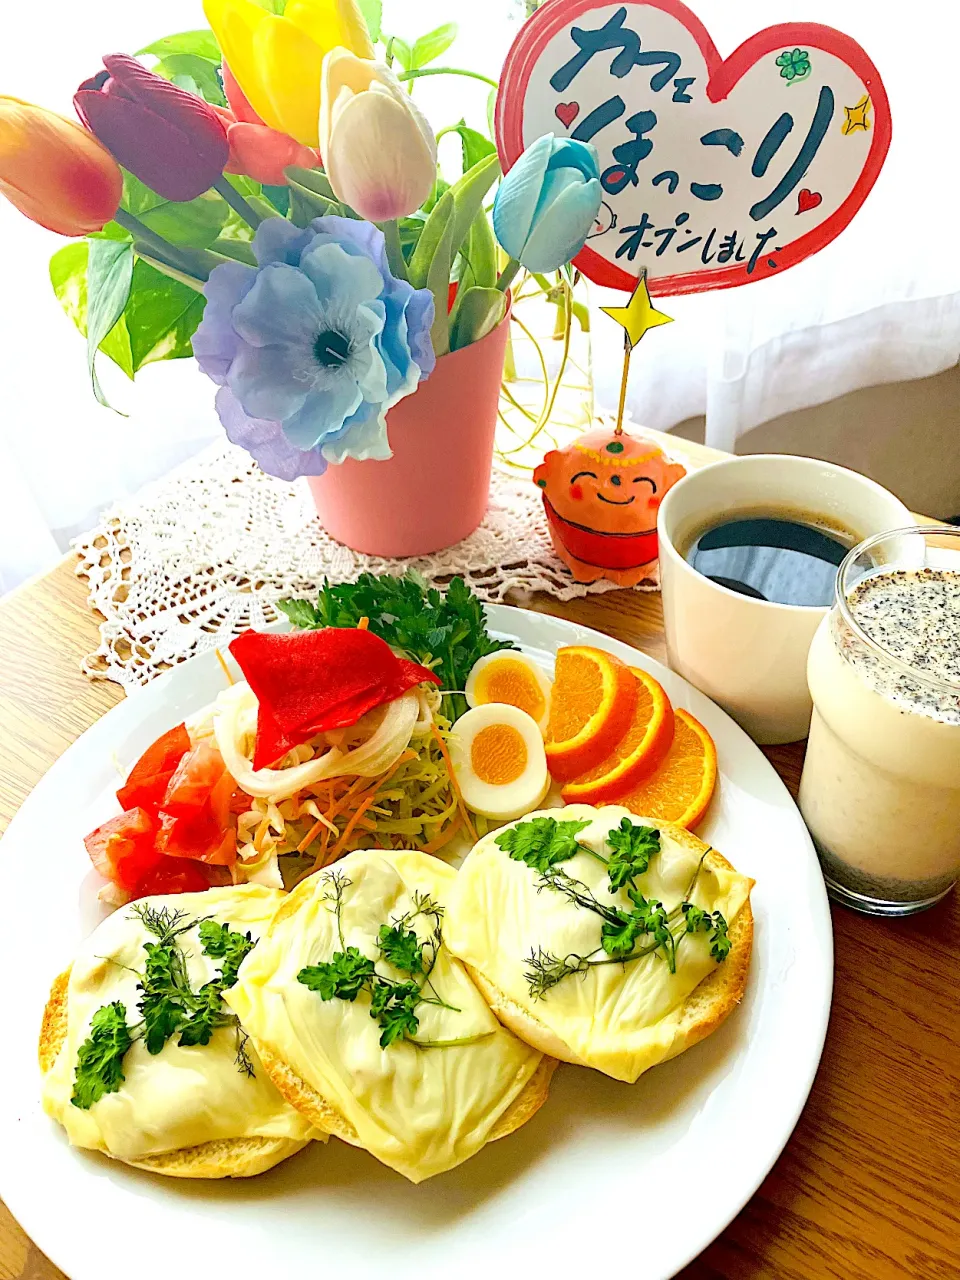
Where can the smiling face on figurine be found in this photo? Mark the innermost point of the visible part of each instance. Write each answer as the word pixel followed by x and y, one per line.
pixel 601 495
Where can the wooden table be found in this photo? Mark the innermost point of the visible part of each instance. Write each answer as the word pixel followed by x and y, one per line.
pixel 868 1187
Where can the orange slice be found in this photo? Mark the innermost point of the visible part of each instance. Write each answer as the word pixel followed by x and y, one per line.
pixel 594 700
pixel 638 752
pixel 681 789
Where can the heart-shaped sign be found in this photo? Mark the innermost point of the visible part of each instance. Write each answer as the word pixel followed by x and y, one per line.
pixel 715 173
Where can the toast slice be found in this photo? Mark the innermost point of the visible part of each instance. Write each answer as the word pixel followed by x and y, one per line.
pixel 224 1158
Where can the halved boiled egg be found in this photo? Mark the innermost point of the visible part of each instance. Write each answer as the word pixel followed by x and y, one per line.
pixel 514 679
pixel 499 761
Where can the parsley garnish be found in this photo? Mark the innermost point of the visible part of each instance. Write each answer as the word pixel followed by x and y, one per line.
pixel 168 1005
pixel 542 842
pixel 446 632
pixel 626 933
pixel 393 1002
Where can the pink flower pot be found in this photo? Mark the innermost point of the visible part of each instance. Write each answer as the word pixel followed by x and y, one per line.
pixel 433 492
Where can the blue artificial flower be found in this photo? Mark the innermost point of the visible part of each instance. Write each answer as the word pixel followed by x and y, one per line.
pixel 314 345
pixel 548 202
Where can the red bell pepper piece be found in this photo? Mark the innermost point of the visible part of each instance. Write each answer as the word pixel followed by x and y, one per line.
pixel 309 681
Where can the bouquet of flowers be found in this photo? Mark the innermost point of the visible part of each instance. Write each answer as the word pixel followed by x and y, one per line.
pixel 265 195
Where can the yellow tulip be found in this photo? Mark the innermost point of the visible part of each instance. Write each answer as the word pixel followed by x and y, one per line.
pixel 277 61
pixel 379 152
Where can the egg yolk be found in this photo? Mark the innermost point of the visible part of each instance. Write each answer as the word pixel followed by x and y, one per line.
pixel 512 683
pixel 498 754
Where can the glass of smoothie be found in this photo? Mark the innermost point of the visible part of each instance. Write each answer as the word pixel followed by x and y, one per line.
pixel 880 790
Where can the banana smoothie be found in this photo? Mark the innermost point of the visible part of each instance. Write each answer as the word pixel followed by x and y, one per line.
pixel 881 784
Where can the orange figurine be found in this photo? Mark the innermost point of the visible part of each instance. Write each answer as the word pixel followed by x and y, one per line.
pixel 601 495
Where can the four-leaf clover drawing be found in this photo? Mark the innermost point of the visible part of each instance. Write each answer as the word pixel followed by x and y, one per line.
pixel 794 64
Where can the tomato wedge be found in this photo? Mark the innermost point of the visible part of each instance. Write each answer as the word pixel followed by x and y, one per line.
pixel 198 838
pixel 123 849
pixel 194 779
pixel 149 777
pixel 172 877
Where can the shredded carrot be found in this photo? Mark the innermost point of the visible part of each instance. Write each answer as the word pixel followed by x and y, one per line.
pixel 341 845
pixel 361 792
pixel 471 832
pixel 444 837
pixel 363 624
pixel 226 669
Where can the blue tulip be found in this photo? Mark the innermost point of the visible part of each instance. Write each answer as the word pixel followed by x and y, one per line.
pixel 548 202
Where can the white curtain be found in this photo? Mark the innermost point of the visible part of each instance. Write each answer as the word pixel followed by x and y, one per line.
pixel 881 303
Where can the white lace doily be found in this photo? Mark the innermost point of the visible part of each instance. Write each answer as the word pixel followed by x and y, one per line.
pixel 195 558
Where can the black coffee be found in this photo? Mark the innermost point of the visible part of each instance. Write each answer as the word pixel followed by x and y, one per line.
pixel 768 558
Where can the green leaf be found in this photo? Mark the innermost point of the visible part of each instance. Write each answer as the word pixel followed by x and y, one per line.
pixel 201 43
pixel 343 977
pixel 161 317
pixel 401 948
pixel 468 195
pixel 109 277
pixel 633 846
pixel 301 614
pixel 542 842
pixel 478 312
pixel 193 222
pixel 372 11
pixel 100 1057
pixel 475 145
pixel 433 45
pixel 618 939
pixel 179 67
pixel 432 263
pixel 479 255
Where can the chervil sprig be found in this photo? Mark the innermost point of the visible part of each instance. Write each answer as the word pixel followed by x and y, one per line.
pixel 393 1002
pixel 168 1005
pixel 627 933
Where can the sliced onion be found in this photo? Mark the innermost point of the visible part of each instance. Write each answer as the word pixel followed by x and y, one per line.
pixel 235 718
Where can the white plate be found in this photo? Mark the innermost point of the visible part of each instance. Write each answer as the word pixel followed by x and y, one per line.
pixel 673 1157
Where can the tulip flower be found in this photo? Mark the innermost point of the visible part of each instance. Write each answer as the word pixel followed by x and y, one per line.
pixel 255 149
pixel 54 171
pixel 548 202
pixel 278 60
pixel 168 138
pixel 379 152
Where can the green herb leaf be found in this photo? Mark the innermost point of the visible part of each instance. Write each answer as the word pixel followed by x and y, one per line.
pixel 301 614
pixel 220 942
pixel 342 978
pixel 393 1006
pixel 100 1057
pixel 633 846
pixel 542 842
pixel 401 948
pixel 618 939
pixel 206 1016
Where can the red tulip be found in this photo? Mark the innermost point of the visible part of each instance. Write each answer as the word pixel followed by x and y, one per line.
pixel 168 138
pixel 54 171
pixel 257 150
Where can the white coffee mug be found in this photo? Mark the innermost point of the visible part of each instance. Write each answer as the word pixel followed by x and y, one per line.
pixel 750 655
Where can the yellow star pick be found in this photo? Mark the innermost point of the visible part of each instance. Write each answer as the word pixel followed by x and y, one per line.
pixel 857 117
pixel 639 316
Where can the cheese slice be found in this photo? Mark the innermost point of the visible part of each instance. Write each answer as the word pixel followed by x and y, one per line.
pixel 180 1097
pixel 420 1110
pixel 619 1018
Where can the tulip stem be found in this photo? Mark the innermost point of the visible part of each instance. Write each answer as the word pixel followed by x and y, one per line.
pixel 418 72
pixel 237 203
pixel 165 251
pixel 398 264
pixel 507 275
